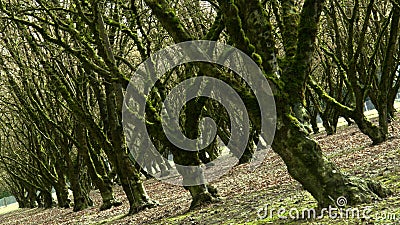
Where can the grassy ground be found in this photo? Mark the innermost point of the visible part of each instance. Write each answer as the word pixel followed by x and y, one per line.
pixel 249 195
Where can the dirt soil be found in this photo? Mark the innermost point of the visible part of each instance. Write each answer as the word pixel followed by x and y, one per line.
pixel 248 195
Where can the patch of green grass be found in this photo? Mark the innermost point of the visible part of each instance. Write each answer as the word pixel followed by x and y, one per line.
pixel 180 217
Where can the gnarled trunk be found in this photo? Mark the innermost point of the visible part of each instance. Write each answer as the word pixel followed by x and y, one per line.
pixel 375 133
pixel 61 186
pixel 99 177
pixel 201 194
pixel 131 183
pixel 46 198
pixel 306 163
pixel 74 167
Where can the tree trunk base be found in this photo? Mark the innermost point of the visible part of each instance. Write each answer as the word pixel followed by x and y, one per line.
pixel 203 195
pixel 109 204
pixel 146 205
pixel 358 191
pixel 80 205
pixel 202 200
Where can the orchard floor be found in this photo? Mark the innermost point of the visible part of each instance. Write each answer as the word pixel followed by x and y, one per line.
pixel 249 195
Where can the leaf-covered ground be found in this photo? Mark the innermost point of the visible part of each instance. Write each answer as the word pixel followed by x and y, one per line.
pixel 248 196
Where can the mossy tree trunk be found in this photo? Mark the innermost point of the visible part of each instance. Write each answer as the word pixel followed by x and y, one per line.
pixel 302 156
pixel 357 114
pixel 200 193
pixel 329 119
pixel 74 171
pixel 387 83
pixel 105 182
pixel 95 169
pixel 204 193
pixel 31 198
pixel 46 198
pixel 306 163
pixel 104 185
pixel 314 108
pixel 81 199
pixel 127 173
pixel 375 133
pixel 61 187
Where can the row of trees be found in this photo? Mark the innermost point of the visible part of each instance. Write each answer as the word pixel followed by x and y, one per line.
pixel 65 66
pixel 358 58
